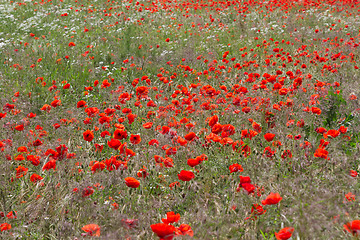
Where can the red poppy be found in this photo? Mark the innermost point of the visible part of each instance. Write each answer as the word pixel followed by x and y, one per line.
pixel 193 162
pixel 97 165
pixel 87 191
pixel 333 133
pixel 19 127
pixel 353 227
pixel 184 229
pixel 120 134
pixel 5 226
pixel 269 137
pixel 132 182
pixel 236 168
pixel 81 104
pixel 171 151
pixel 273 198
pixel 50 165
pixel 316 110
pixel 284 233
pixel 321 153
pixel 71 44
pixel 114 143
pixel 35 178
pixel 12 215
pixel 88 135
pixel 213 120
pixel 163 231
pixel 37 143
pixel 186 175
pixel 171 217
pixel 181 141
pixel 21 171
pixel 216 128
pixel 92 230
pixel 131 117
pixel 257 209
pixel 147 125
pixel 353 173
pixel 135 139
pixel 190 136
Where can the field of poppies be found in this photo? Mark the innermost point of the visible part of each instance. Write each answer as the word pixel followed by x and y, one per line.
pixel 179 119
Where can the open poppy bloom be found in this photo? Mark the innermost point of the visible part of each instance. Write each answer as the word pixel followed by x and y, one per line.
pixel 186 175
pixel 236 168
pixel 284 233
pixel 132 182
pixel 88 135
pixel 163 231
pixel 5 226
pixel 171 217
pixel 353 227
pixel 184 229
pixel 269 137
pixel 273 198
pixel 135 139
pixel 91 230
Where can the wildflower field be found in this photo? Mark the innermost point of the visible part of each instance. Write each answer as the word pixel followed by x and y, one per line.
pixel 179 119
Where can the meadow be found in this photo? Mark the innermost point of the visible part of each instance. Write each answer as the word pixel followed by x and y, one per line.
pixel 179 119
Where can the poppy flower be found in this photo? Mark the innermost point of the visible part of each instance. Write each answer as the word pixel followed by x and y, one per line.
pixel 171 217
pixel 120 134
pixel 236 168
pixel 181 141
pixel 50 165
pixel 87 191
pixel 353 173
pixel 273 198
pixel 333 133
pixel 257 209
pixel 114 143
pixel 163 231
pixel 81 104
pixel 21 171
pixel 71 44
pixel 135 139
pixel 5 226
pixel 353 227
pixel 153 142
pixel 19 127
pixel 147 125
pixel 248 188
pixel 97 165
pixel 88 135
pixel 132 182
pixel 190 136
pixel 213 120
pixel 269 137
pixel 316 110
pixel 320 130
pixel 343 129
pixel 171 151
pixel 12 215
pixel 321 153
pixel 186 175
pixel 284 233
pixel 92 230
pixel 37 143
pixel 184 229
pixel 193 162
pixel 35 178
